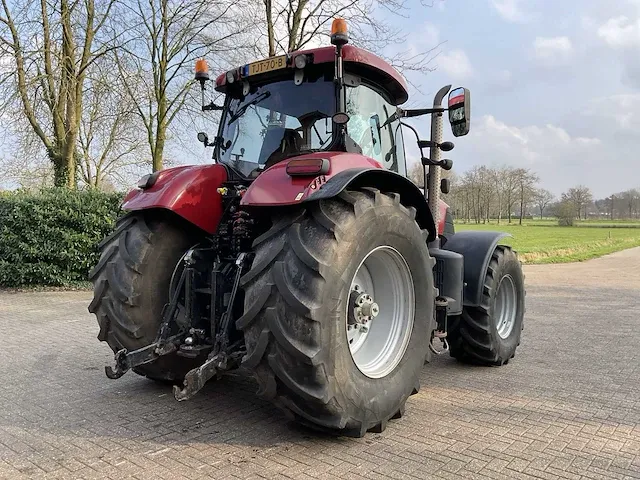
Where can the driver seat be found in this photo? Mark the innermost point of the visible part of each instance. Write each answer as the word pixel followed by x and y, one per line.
pixel 290 143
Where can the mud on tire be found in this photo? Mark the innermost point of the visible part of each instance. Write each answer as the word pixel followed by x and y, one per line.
pixel 473 336
pixel 296 297
pixel 131 286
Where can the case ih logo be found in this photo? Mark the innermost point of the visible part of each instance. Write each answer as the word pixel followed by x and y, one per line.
pixel 317 182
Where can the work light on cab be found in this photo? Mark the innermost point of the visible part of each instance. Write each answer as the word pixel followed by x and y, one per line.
pixel 300 61
pixel 202 70
pixel 339 32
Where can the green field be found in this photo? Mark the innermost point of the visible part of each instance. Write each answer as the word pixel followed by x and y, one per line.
pixel 542 241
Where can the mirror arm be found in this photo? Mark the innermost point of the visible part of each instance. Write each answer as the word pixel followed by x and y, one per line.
pixel 400 113
pixel 211 106
pixel 422 111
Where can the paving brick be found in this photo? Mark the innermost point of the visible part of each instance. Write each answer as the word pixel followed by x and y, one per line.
pixel 566 407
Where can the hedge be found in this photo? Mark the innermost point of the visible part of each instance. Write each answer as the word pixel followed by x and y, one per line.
pixel 50 238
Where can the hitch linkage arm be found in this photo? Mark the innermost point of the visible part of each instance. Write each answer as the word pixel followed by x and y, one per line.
pixel 163 345
pixel 125 360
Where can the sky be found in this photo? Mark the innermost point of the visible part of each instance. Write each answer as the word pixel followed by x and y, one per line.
pixel 555 86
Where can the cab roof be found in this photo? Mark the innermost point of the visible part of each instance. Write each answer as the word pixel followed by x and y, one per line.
pixel 357 61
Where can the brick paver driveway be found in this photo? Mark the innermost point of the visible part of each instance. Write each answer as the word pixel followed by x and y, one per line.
pixel 567 406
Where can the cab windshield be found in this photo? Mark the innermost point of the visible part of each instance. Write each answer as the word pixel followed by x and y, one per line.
pixel 279 120
pixel 276 121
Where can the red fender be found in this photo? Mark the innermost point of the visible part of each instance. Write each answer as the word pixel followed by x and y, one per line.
pixel 275 187
pixel 443 207
pixel 189 191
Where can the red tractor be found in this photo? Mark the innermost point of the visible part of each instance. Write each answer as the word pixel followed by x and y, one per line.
pixel 303 254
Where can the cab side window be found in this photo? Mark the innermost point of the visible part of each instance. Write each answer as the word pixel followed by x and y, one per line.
pixel 368 115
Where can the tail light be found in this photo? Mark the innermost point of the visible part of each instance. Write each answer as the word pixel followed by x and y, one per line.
pixel 305 167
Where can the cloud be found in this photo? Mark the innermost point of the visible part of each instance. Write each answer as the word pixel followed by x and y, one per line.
pixel 511 10
pixel 622 35
pixel 455 64
pixel 552 51
pixel 622 110
pixel 430 35
pixel 620 32
pixel 497 81
pixel 559 158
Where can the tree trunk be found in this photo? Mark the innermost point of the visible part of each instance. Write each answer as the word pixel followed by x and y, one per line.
pixel 270 33
pixel 69 162
pixel 60 169
pixel 158 151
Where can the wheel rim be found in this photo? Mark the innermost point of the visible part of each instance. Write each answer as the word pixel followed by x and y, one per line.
pixel 378 341
pixel 506 306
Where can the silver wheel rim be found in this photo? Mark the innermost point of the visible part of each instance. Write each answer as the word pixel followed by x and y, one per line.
pixel 506 306
pixel 377 344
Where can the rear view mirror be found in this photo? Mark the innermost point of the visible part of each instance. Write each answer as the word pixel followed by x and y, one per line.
pixel 460 111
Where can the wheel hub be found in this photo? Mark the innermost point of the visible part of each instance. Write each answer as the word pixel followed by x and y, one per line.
pixel 506 306
pixel 380 312
pixel 362 307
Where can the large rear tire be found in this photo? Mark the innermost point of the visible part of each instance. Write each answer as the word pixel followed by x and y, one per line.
pixel 489 334
pixel 131 286
pixel 298 297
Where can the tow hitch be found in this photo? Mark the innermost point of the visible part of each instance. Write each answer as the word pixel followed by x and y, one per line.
pixel 221 354
pixel 220 359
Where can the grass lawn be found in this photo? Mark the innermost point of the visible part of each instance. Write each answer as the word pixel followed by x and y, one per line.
pixel 542 242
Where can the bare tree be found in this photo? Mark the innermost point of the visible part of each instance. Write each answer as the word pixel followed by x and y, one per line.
pixel 51 46
pixel 416 174
pixel 26 172
pixel 499 176
pixel 542 199
pixel 526 188
pixel 109 140
pixel 165 37
pixel 296 24
pixel 631 200
pixel 581 197
pixel 510 190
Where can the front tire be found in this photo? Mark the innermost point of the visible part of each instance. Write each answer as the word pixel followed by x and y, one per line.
pixel 298 294
pixel 131 286
pixel 489 334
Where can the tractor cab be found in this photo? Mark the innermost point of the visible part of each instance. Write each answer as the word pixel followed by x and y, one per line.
pixel 315 104
pixel 296 104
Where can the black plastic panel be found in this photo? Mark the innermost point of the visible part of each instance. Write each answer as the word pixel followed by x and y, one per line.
pixel 477 248
pixel 448 275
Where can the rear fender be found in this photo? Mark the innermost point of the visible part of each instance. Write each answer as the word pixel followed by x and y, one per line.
pixel 386 181
pixel 190 192
pixel 275 187
pixel 477 247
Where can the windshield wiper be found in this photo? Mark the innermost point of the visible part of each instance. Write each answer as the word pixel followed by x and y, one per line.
pixel 242 109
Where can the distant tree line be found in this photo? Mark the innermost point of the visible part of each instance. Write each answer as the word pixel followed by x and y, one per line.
pixel 506 194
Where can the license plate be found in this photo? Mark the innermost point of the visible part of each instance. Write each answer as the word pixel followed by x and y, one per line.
pixel 263 66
